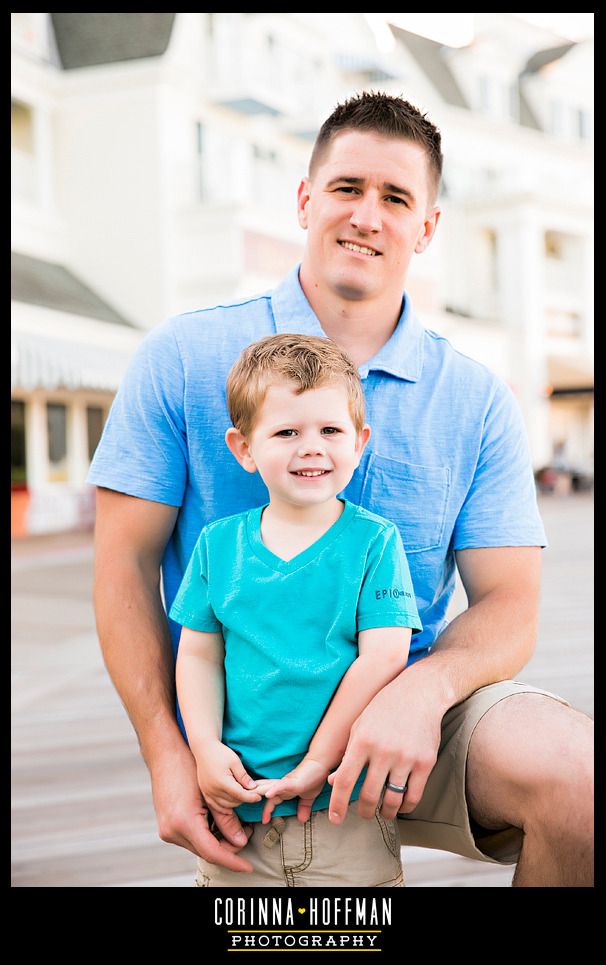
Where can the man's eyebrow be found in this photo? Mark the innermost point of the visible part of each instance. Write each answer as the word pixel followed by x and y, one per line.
pixel 392 188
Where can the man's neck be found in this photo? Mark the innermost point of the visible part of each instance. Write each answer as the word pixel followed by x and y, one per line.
pixel 360 328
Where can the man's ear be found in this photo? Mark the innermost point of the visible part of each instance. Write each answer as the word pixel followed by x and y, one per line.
pixel 429 229
pixel 303 195
pixel 240 449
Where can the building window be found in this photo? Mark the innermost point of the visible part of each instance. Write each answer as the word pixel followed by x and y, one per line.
pixel 56 419
pixel 583 125
pixel 486 93
pixel 200 161
pixel 554 245
pixel 22 127
pixel 514 101
pixel 557 118
pixel 18 465
pixel 94 427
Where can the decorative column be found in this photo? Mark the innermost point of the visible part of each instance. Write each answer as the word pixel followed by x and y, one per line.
pixel 521 284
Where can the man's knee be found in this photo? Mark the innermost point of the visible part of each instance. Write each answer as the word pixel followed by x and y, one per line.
pixel 564 791
pixel 531 762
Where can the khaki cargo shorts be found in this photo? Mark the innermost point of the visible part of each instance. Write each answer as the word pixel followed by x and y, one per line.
pixel 358 853
pixel 441 819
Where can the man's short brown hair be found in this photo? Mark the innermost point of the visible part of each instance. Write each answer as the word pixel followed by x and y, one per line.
pixel 385 115
pixel 307 360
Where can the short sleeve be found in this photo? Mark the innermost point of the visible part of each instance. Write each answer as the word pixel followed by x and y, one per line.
pixel 192 607
pixel 387 597
pixel 500 508
pixel 143 449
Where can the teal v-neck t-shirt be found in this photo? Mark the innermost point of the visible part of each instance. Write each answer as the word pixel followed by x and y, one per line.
pixel 290 627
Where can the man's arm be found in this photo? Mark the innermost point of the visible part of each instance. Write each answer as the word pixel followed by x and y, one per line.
pixel 383 651
pixel 130 538
pixel 399 732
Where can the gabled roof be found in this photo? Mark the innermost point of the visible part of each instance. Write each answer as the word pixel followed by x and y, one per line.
pixel 430 57
pixel 544 57
pixel 38 282
pixel 86 39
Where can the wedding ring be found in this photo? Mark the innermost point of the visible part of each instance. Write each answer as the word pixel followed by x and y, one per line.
pixel 398 788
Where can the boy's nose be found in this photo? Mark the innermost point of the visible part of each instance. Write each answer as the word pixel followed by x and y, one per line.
pixel 311 447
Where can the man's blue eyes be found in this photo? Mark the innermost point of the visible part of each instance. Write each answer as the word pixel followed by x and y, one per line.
pixel 390 197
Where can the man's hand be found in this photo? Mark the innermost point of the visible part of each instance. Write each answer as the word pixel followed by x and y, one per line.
pixel 305 781
pixel 397 736
pixel 183 818
pixel 223 779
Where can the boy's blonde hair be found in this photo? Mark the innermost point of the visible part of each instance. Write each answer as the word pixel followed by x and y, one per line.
pixel 307 360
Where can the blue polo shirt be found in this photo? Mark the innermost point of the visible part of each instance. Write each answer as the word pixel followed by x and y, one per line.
pixel 448 460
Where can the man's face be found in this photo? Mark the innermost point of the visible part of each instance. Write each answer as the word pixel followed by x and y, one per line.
pixel 367 208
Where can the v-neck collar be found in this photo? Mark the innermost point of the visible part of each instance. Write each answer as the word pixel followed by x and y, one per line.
pixel 253 528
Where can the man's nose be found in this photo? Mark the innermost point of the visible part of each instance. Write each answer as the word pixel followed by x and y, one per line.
pixel 366 216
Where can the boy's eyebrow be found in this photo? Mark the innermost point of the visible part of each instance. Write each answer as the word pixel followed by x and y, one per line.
pixel 289 425
pixel 392 188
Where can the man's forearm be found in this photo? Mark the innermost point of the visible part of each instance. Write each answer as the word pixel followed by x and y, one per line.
pixel 490 641
pixel 364 678
pixel 135 642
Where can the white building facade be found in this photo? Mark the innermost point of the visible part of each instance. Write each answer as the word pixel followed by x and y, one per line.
pixel 155 160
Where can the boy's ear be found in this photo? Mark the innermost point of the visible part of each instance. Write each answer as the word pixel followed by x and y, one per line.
pixel 363 437
pixel 239 448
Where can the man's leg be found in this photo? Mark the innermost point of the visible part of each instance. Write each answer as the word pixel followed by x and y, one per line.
pixel 530 765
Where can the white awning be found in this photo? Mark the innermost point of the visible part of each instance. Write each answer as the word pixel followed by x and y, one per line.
pixel 39 362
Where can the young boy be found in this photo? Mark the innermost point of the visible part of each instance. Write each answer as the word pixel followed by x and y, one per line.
pixel 294 615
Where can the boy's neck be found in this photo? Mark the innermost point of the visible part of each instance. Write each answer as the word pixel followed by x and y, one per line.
pixel 287 530
pixel 300 517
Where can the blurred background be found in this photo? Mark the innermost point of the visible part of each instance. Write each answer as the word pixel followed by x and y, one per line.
pixel 155 161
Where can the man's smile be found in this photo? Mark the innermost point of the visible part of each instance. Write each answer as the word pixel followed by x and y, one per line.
pixel 360 249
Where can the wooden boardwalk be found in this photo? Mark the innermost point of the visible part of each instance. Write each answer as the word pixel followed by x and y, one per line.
pixel 82 811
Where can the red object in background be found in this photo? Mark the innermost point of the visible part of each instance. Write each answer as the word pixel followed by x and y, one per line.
pixel 19 508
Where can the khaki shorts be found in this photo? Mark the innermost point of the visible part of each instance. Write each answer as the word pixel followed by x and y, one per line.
pixel 358 853
pixel 441 819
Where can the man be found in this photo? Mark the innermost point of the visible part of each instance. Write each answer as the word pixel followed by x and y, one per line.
pixel 472 761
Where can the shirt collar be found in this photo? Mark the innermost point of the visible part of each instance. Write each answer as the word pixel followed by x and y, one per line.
pixel 402 354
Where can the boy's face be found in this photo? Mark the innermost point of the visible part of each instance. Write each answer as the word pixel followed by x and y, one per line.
pixel 305 447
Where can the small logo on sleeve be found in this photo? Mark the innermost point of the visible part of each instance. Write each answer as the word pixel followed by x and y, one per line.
pixel 392 593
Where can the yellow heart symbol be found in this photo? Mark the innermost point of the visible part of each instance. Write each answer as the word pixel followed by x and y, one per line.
pixel 301 911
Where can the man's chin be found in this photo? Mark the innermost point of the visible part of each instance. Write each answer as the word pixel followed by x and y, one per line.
pixel 351 290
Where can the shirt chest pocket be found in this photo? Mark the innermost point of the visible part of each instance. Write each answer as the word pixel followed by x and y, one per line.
pixel 413 497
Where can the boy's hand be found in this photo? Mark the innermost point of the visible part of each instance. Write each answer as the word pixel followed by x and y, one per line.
pixel 223 779
pixel 305 781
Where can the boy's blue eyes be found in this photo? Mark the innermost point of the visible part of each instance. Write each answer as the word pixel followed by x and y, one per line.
pixel 288 433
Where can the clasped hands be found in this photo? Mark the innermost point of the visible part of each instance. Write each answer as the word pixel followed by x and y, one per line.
pixel 225 783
